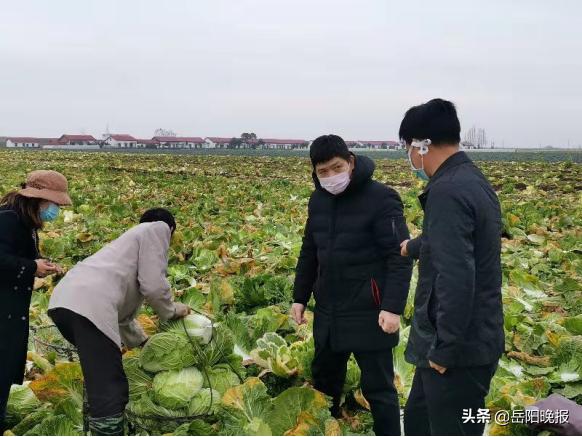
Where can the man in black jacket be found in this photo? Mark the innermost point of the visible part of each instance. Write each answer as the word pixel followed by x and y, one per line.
pixel 457 334
pixel 351 260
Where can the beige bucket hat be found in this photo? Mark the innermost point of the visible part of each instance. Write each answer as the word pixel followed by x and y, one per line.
pixel 48 185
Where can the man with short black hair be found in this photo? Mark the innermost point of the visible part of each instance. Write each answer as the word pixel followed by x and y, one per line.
pixel 457 335
pixel 350 260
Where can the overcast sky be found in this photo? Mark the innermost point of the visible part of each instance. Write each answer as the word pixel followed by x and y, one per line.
pixel 290 69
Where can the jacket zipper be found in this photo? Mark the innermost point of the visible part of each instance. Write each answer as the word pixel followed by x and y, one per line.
pixel 395 230
pixel 376 292
pixel 331 266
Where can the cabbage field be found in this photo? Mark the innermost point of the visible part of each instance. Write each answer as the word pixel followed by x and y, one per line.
pixel 239 365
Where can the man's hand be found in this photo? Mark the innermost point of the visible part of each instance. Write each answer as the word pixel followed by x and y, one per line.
pixel 297 312
pixel 390 323
pixel 44 268
pixel 404 248
pixel 182 310
pixel 438 368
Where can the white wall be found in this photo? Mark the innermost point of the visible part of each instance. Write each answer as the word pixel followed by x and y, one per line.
pixel 10 143
pixel 115 144
pixel 72 147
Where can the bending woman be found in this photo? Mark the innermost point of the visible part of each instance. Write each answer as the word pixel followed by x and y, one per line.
pixel 95 305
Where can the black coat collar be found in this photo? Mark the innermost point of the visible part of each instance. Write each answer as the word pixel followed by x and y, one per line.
pixel 450 163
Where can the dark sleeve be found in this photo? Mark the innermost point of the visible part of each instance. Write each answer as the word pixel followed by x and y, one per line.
pixel 389 231
pixel 10 263
pixel 450 235
pixel 413 247
pixel 306 270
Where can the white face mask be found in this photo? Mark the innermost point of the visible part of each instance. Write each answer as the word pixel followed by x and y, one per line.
pixel 336 184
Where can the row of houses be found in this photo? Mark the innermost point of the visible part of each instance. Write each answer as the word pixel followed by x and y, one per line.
pixel 125 141
pixel 63 140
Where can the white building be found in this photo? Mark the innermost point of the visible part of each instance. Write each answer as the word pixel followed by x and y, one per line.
pixel 180 142
pixel 30 142
pixel 121 141
pixel 217 142
pixel 147 144
pixel 27 142
pixel 375 145
pixel 77 140
pixel 275 143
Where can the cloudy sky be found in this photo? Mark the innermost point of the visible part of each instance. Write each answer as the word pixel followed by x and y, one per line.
pixel 290 68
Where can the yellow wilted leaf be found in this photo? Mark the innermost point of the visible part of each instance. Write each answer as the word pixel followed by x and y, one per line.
pixel 360 399
pixel 226 293
pixel 553 338
pixel 530 359
pixel 222 252
pixel 319 400
pixel 234 396
pixel 177 240
pixel 513 219
pixel 55 385
pixel 148 324
pixel 131 353
pixel 332 427
pixel 46 282
pixel 305 422
pixel 84 237
pixel 496 429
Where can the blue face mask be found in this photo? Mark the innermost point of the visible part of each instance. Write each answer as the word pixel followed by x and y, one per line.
pixel 423 146
pixel 421 174
pixel 50 213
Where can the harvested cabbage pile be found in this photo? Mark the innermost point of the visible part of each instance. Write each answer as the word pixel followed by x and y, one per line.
pixel 180 373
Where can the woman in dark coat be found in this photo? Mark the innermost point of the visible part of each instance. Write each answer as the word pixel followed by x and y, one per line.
pixel 22 214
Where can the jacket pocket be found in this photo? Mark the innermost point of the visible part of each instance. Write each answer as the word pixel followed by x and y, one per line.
pixel 432 305
pixel 356 291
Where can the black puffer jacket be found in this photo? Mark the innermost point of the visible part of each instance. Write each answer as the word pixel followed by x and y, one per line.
pixel 458 312
pixel 351 260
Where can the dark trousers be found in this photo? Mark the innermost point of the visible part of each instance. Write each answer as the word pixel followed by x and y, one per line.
pixel 13 347
pixel 329 373
pixel 105 381
pixel 4 392
pixel 436 402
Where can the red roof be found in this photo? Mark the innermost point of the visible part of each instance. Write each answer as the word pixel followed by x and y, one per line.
pixel 33 140
pixel 122 137
pixel 278 141
pixel 148 141
pixel 67 137
pixel 219 139
pixel 45 141
pixel 379 143
pixel 179 139
pixel 24 139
